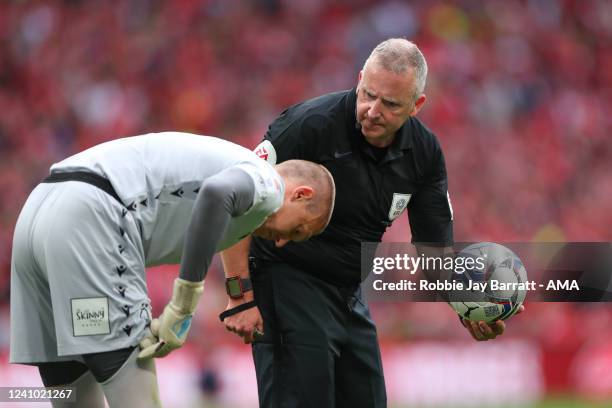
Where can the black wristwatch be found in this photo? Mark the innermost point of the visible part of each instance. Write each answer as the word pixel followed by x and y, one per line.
pixel 235 286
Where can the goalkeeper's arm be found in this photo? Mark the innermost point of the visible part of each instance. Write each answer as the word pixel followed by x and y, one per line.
pixel 221 197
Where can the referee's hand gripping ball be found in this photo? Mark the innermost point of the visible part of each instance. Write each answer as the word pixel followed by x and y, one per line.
pixel 169 331
pixel 482 331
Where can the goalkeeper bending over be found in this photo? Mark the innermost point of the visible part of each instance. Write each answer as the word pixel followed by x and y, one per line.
pixel 79 304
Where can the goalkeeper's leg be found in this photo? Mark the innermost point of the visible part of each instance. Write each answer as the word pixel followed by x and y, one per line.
pixel 113 374
pixel 120 382
pixel 74 375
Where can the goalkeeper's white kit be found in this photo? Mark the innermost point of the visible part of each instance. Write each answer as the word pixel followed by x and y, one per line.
pixel 80 251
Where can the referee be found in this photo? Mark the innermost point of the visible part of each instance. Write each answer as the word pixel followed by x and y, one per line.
pixel 319 347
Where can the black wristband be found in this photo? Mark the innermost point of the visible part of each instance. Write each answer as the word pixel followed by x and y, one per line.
pixel 237 309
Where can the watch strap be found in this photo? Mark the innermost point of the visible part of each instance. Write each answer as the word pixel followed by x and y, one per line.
pixel 246 284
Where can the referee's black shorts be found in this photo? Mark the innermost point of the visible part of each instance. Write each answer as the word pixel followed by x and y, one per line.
pixel 319 347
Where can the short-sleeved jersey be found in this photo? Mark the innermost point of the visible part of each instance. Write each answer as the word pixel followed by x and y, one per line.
pixel 371 191
pixel 158 176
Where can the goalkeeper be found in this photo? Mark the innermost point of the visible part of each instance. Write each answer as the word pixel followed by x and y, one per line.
pixel 79 303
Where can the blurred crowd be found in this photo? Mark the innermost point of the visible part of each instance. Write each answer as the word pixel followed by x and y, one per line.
pixel 519 94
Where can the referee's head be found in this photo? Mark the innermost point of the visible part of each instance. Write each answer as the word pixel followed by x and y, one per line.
pixel 390 89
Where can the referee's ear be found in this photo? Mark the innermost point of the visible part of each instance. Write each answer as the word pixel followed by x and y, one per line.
pixel 418 104
pixel 302 193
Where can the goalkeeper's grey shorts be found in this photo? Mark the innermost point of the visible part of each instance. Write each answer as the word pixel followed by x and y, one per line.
pixel 77 275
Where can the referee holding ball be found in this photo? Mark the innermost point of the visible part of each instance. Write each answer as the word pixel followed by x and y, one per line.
pixel 319 346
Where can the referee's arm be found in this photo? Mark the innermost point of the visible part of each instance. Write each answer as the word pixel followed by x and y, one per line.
pixel 236 263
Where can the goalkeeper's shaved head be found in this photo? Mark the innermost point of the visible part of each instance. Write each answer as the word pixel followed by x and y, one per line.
pixel 302 172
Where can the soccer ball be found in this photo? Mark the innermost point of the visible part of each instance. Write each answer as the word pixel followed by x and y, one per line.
pixel 494 283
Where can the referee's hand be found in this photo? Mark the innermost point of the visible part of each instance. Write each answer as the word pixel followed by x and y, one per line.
pixel 247 324
pixel 482 331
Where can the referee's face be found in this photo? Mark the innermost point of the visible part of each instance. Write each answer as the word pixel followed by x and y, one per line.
pixel 385 100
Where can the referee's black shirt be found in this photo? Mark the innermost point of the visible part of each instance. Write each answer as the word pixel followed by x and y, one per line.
pixel 325 130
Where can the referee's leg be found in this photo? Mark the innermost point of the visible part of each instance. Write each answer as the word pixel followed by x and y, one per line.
pixel 294 360
pixel 359 374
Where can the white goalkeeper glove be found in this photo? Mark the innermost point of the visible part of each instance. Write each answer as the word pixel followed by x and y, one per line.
pixel 169 331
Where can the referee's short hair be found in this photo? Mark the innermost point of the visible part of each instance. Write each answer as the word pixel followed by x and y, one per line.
pixel 304 172
pixel 399 56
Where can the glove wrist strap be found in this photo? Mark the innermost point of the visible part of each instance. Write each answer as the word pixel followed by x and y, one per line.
pixel 186 295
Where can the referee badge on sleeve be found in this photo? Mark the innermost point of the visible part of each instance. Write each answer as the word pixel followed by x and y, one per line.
pixel 398 205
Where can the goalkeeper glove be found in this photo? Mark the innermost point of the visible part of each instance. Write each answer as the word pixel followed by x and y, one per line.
pixel 169 331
